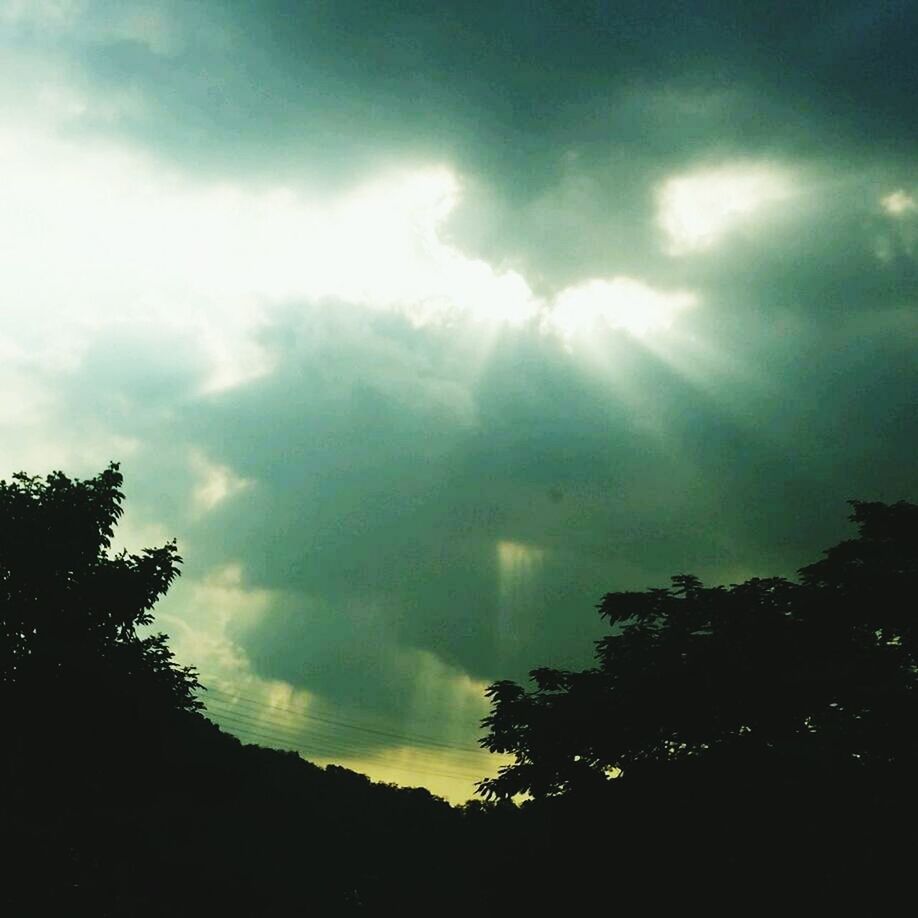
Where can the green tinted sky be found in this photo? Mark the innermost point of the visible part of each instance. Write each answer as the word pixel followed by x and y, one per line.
pixel 422 325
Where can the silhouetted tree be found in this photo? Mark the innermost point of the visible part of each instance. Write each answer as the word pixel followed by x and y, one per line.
pixel 771 680
pixel 746 721
pixel 71 611
pixel 749 748
pixel 117 798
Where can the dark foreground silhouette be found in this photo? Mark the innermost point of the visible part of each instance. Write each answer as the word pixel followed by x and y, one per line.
pixel 743 750
pixel 763 737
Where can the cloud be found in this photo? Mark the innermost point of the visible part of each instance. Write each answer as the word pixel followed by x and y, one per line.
pixel 618 303
pixel 421 348
pixel 217 483
pixel 898 203
pixel 697 210
pixel 98 235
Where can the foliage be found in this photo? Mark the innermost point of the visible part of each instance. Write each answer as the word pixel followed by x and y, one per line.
pixel 761 679
pixel 119 798
pixel 72 613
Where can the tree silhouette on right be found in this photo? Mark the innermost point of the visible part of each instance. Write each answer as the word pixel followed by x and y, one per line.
pixel 768 680
pixel 748 749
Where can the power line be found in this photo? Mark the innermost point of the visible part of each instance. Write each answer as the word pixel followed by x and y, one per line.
pixel 257 734
pixel 316 744
pixel 324 743
pixel 345 743
pixel 268 713
pixel 323 751
pixel 416 739
pixel 350 745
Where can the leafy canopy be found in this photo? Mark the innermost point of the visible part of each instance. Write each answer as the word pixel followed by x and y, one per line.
pixel 763 678
pixel 72 612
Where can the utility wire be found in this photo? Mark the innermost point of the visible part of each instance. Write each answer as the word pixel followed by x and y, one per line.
pixel 285 743
pixel 336 745
pixel 322 751
pixel 415 739
pixel 278 732
pixel 270 714
pixel 347 744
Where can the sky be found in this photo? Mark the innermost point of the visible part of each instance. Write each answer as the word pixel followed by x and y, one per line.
pixel 422 326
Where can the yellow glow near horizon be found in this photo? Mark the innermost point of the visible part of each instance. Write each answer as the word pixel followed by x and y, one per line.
pixel 442 774
pixel 698 209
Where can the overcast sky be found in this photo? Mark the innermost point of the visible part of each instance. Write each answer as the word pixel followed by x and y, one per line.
pixel 423 325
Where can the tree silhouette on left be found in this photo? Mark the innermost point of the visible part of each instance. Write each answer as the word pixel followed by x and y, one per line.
pixel 91 704
pixel 119 799
pixel 71 610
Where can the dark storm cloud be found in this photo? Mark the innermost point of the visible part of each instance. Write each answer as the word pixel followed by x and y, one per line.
pixel 388 463
pixel 378 489
pixel 526 76
pixel 561 117
pixel 501 89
